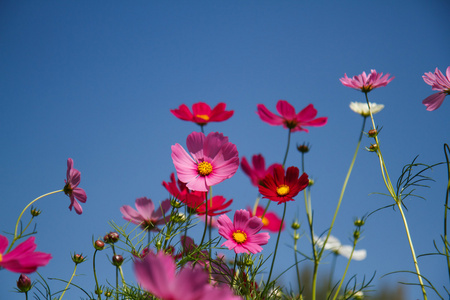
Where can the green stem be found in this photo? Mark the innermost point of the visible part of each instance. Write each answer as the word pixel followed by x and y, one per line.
pixel 68 284
pixel 234 271
pixel 97 288
pixel 296 261
pixel 446 244
pixel 276 245
pixel 287 147
pixel 346 269
pixel 206 216
pixel 23 211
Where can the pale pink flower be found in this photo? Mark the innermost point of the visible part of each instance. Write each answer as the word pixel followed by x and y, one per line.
pixel 213 160
pixel 146 215
pixel 258 170
pixel 440 83
pixel 157 274
pixel 366 83
pixel 71 188
pixel 23 258
pixel 242 234
pixel 289 119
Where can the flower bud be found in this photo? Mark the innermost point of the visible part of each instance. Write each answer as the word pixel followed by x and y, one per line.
pixel 108 293
pixel 359 222
pixel 310 182
pixel 35 212
pixel 117 260
pixel 295 225
pixel 99 245
pixel 178 218
pixel 175 203
pixel 248 262
pixel 296 236
pixel 356 234
pixel 78 258
pixel 111 237
pixel 24 283
pixel 372 133
pixel 303 148
pixel 372 148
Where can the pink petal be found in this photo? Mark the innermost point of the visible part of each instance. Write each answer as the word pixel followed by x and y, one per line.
pixel 308 113
pixel 3 243
pixel 213 144
pixel 186 167
pixel 182 113
pixel 198 184
pixel 194 143
pixel 145 207
pixel 286 110
pixel 434 101
pixel 77 207
pixel 269 117
pixel 201 108
pixel 240 219
pixel 131 215
pixel 79 194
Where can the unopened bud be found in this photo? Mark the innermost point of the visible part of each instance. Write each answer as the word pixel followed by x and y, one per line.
pixel 310 182
pixel 117 260
pixel 373 148
pixel 359 223
pixel 178 218
pixel 24 283
pixel 99 245
pixel 175 203
pixel 108 293
pixel 356 234
pixel 35 212
pixel 111 237
pixel 296 236
pixel 372 133
pixel 295 225
pixel 304 148
pixel 78 259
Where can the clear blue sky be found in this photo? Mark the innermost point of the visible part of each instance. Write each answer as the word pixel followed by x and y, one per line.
pixel 95 81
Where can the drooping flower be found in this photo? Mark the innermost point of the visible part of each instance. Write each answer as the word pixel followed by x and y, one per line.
pixel 362 108
pixel 213 160
pixel 146 215
pixel 202 113
pixel 242 234
pixel 283 188
pixel 157 274
pixel 71 188
pixel 258 171
pixel 366 83
pixel 333 244
pixel 289 119
pixel 270 220
pixel 23 258
pixel 439 83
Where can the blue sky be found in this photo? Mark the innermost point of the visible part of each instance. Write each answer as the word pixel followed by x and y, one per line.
pixel 95 81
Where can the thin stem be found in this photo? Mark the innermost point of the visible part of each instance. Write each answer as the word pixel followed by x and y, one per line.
pixel 206 217
pixel 296 261
pixel 23 211
pixel 256 204
pixel 416 265
pixel 447 149
pixel 97 288
pixel 234 271
pixel 346 269
pixel 67 286
pixel 287 147
pixel 276 245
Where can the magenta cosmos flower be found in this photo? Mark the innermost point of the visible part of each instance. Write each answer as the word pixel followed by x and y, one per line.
pixel 270 220
pixel 202 113
pixel 366 83
pixel 440 83
pixel 146 215
pixel 213 160
pixel 258 170
pixel 157 274
pixel 242 234
pixel 71 188
pixel 283 188
pixel 289 119
pixel 22 259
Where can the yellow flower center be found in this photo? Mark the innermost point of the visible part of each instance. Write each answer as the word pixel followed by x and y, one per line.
pixel 265 221
pixel 366 88
pixel 239 236
pixel 204 117
pixel 1 257
pixel 283 190
pixel 204 168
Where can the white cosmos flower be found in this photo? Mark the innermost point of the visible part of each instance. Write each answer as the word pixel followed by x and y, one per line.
pixel 362 108
pixel 334 245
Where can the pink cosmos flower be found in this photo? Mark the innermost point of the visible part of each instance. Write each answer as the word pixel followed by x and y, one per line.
pixel 270 220
pixel 71 188
pixel 22 259
pixel 146 215
pixel 215 206
pixel 258 171
pixel 157 274
pixel 366 83
pixel 289 119
pixel 202 113
pixel 440 83
pixel 242 234
pixel 214 160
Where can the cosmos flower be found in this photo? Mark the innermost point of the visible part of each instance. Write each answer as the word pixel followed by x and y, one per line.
pixel 366 83
pixel 258 171
pixel 23 258
pixel 215 205
pixel 439 83
pixel 289 119
pixel 157 274
pixel 270 220
pixel 146 215
pixel 334 245
pixel 179 190
pixel 242 234
pixel 283 188
pixel 213 160
pixel 202 113
pixel 362 108
pixel 71 188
